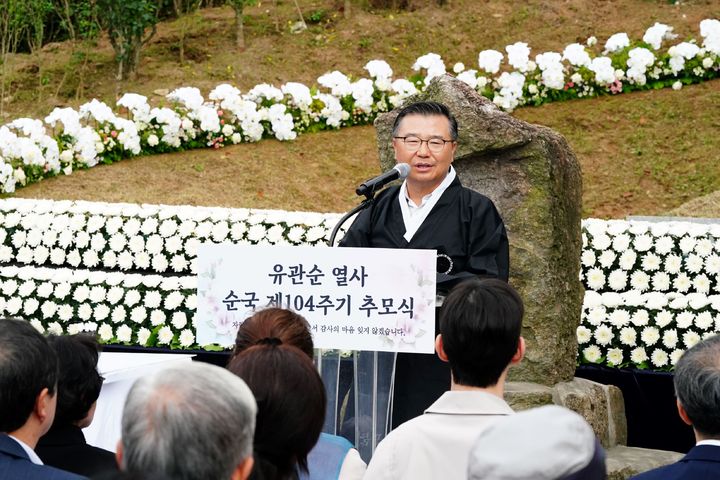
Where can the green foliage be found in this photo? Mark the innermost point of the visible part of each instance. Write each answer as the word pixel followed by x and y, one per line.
pixel 239 5
pixel 127 24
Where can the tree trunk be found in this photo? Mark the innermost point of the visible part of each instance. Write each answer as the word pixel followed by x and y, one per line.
pixel 346 9
pixel 239 33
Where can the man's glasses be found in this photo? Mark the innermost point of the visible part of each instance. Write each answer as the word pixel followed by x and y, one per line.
pixel 413 144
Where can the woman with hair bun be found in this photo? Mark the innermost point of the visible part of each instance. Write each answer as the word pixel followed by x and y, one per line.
pixel 273 354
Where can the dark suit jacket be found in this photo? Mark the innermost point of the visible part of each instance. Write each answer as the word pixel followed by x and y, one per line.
pixel 16 465
pixel 701 463
pixel 65 447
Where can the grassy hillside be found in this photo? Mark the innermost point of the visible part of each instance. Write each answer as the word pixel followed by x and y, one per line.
pixel 641 153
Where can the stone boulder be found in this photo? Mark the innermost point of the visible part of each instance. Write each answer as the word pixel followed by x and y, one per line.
pixel 534 179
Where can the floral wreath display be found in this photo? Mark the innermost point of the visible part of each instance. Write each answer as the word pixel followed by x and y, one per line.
pixel 68 139
pixel 128 273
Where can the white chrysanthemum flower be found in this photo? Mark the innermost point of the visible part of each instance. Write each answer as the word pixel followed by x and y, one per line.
pixel 142 260
pixel 673 263
pixel 105 332
pixel 640 318
pixel 650 262
pixel 583 334
pixel 56 329
pixel 84 311
pixel 701 284
pixel 592 353
pixel 138 314
pixel 682 283
pixel 661 282
pixel 664 245
pixel 596 315
pixel 160 263
pixel 643 243
pixel 132 297
pixel 617 280
pixel 48 309
pixel 640 280
pixel 65 312
pixel 690 338
pixel 81 293
pixel 650 335
pixel 684 319
pixel 173 244
pixel 187 338
pixel 179 320
pixel 628 259
pixel 149 225
pixel 595 278
pixel 659 357
pixel 712 264
pixel 143 335
pixel 607 258
pixel 101 312
pixel 694 263
pixel 687 244
pixel 173 300
pixel 30 305
pixel 603 335
pixel 615 356
pixel 157 317
pixel 601 242
pixel 587 258
pixel 165 335
pixel 704 320
pixel 114 295
pixel 621 242
pixel 152 299
pixel 124 334
pixel 703 247
pixel 670 338
pixel 178 263
pixel 14 305
pixel 118 314
pixel 638 355
pixel 619 317
pixel 628 336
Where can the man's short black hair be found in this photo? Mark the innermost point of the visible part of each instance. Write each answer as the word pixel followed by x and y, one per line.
pixel 697 386
pixel 79 383
pixel 427 109
pixel 27 366
pixel 480 323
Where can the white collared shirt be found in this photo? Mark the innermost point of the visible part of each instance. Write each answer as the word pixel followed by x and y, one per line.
pixel 714 443
pixel 414 215
pixel 29 451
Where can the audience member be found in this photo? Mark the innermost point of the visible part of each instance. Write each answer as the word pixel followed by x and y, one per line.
pixel 333 457
pixel 28 386
pixel 291 406
pixel 697 387
pixel 78 387
pixel 189 422
pixel 480 324
pixel 545 443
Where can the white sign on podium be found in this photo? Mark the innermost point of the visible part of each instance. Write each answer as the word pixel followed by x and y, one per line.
pixel 367 299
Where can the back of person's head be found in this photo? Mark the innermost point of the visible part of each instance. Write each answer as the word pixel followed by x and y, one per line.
pixel 291 403
pixel 27 366
pixel 79 382
pixel 189 422
pixel 697 386
pixel 427 109
pixel 286 325
pixel 480 325
pixel 545 443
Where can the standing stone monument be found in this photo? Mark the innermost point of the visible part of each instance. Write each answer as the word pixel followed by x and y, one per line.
pixel 534 179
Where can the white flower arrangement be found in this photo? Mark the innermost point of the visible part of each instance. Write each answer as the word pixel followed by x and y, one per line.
pixel 652 291
pixel 69 139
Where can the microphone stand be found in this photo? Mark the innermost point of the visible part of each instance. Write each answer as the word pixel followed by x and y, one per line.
pixel 369 197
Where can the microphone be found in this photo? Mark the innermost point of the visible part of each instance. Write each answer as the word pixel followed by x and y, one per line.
pixel 368 188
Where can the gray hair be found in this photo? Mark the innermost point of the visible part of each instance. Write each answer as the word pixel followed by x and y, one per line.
pixel 189 422
pixel 697 385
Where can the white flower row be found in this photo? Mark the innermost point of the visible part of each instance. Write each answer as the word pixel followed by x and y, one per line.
pixel 146 310
pixel 678 256
pixel 68 139
pixel 644 330
pixel 141 238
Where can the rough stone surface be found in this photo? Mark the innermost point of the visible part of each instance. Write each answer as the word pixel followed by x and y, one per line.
pixel 534 179
pixel 525 395
pixel 617 421
pixel 624 462
pixel 589 400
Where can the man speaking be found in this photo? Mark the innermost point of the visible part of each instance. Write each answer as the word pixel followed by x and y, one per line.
pixel 431 210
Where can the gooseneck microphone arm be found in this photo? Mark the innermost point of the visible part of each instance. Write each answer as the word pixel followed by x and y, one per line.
pixel 368 189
